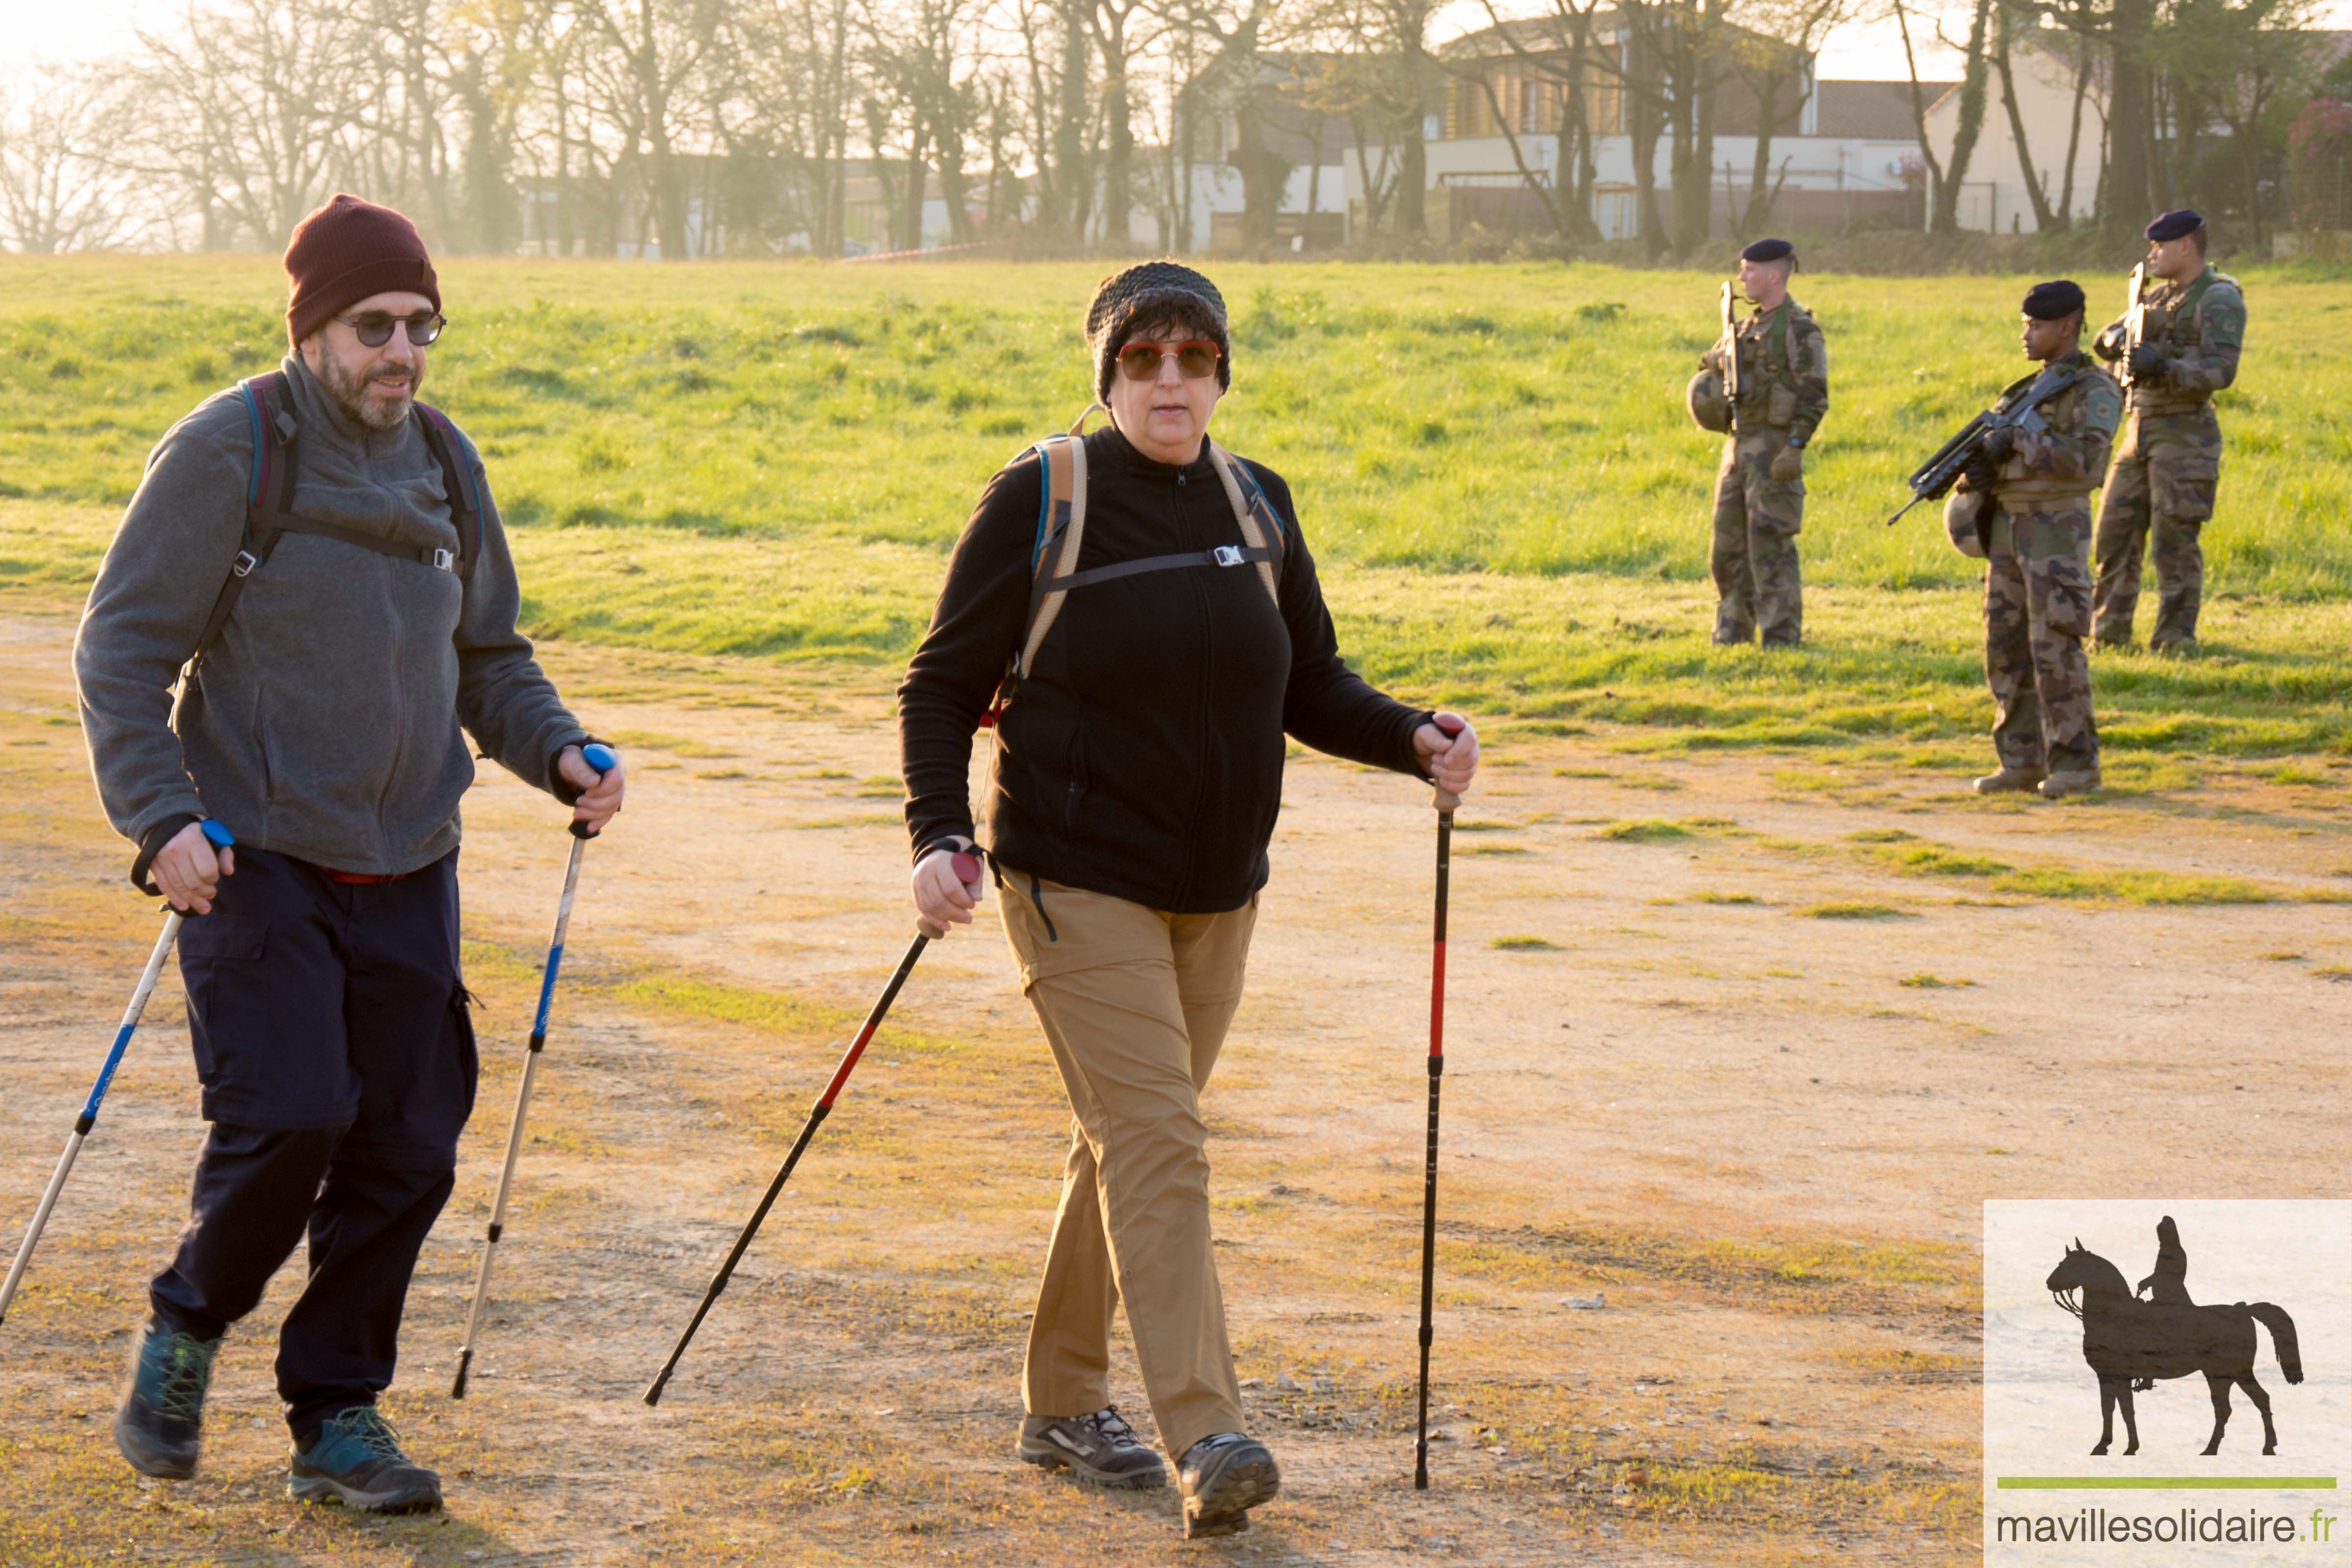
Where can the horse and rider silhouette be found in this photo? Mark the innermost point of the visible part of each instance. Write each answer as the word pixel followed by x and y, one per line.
pixel 2131 1343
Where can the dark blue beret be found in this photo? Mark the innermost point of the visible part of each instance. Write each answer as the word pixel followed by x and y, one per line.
pixel 2054 301
pixel 2174 226
pixel 1767 251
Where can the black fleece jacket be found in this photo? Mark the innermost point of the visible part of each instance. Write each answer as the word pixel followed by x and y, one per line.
pixel 1142 756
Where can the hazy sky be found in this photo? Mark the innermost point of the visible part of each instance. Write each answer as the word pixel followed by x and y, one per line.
pixel 89 28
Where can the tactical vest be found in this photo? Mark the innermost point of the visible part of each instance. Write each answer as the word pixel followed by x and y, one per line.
pixel 1766 368
pixel 2019 490
pixel 2175 326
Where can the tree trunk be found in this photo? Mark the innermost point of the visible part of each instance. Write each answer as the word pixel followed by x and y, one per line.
pixel 1694 197
pixel 1118 136
pixel 1413 190
pixel 2131 135
pixel 1070 176
pixel 2042 218
pixel 1971 123
pixel 2080 51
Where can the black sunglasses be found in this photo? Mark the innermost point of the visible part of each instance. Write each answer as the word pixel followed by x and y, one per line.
pixel 374 328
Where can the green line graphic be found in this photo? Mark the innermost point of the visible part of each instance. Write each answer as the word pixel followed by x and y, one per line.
pixel 2164 1483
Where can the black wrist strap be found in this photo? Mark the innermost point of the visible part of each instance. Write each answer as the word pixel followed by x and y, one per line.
pixel 163 833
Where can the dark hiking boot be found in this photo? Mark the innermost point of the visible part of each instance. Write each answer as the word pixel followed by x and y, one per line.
pixel 2009 780
pixel 1221 1478
pixel 2058 786
pixel 356 1460
pixel 1100 1448
pixel 160 1424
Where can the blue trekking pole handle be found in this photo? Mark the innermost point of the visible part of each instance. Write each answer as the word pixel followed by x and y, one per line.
pixel 601 757
pixel 223 838
pixel 604 761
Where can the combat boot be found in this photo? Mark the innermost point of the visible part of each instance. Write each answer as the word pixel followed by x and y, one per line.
pixel 2009 780
pixel 2175 647
pixel 160 1426
pixel 2058 786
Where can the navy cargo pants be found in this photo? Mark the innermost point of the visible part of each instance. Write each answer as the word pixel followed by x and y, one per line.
pixel 337 1067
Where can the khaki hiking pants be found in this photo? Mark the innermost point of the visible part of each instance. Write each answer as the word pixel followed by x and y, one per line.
pixel 1135 1004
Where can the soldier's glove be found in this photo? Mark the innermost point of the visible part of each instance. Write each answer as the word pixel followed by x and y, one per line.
pixel 1978 475
pixel 1788 465
pixel 1999 443
pixel 2147 362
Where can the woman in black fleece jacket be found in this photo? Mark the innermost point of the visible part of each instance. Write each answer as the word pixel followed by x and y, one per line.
pixel 1138 776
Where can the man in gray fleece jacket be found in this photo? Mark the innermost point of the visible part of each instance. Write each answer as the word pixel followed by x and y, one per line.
pixel 370 631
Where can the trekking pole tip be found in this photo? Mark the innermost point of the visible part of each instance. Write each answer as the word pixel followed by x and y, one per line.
pixel 465 1363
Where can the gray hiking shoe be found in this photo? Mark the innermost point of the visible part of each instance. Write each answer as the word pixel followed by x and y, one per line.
pixel 1100 1448
pixel 2009 780
pixel 2058 786
pixel 356 1460
pixel 160 1424
pixel 1221 1478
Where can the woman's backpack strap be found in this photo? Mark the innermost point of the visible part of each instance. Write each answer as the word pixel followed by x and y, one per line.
pixel 1061 530
pixel 1260 525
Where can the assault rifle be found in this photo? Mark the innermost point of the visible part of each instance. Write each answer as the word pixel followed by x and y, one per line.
pixel 1730 349
pixel 1933 480
pixel 2135 322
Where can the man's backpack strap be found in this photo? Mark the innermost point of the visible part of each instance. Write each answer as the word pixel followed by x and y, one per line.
pixel 452 450
pixel 265 396
pixel 1061 530
pixel 1260 525
pixel 270 501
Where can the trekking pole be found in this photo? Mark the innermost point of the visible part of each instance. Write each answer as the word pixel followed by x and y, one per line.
pixel 602 758
pixel 1446 802
pixel 967 870
pixel 219 833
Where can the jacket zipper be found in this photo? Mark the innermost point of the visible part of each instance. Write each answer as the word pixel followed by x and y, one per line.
pixel 1208 685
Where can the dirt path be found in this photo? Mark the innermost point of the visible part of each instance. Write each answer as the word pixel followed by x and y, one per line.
pixel 1740 1072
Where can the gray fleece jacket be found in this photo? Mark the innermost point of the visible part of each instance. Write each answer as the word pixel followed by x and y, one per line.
pixel 329 722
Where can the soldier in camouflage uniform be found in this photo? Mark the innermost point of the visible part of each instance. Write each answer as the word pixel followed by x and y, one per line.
pixel 2037 548
pixel 2169 459
pixel 1783 371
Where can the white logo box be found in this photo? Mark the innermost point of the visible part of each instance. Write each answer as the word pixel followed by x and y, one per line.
pixel 2050 1502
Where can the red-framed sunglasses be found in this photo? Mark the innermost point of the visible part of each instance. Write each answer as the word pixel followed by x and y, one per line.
pixel 1195 359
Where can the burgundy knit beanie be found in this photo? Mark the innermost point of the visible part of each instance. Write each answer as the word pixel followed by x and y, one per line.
pixel 346 251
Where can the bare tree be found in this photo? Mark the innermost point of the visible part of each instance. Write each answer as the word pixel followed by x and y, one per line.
pixel 59 189
pixel 1772 53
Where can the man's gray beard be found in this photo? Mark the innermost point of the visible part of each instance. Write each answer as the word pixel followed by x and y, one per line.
pixel 350 394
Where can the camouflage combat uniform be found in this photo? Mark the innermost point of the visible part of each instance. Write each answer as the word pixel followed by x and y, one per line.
pixel 2038 576
pixel 2168 459
pixel 1784 390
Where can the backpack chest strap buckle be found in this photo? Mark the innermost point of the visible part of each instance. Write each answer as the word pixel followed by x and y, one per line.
pixel 243 565
pixel 1227 555
pixel 443 560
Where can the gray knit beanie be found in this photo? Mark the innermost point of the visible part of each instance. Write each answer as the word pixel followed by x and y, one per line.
pixel 1146 292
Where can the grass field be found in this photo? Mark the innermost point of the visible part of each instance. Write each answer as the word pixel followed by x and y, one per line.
pixel 1492 463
